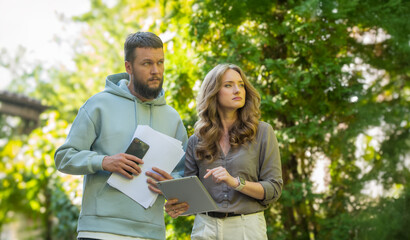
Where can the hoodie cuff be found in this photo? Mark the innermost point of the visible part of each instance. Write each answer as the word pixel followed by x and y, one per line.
pixel 95 163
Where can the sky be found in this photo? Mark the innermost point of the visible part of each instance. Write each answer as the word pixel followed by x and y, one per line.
pixel 35 25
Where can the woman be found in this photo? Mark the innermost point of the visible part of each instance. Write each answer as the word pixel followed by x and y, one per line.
pixel 234 155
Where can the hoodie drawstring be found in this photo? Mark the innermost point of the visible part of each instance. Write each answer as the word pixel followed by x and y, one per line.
pixel 135 113
pixel 150 115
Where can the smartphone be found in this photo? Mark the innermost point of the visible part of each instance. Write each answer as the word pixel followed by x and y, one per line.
pixel 137 148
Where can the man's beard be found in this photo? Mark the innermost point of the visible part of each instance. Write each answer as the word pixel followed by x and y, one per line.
pixel 144 90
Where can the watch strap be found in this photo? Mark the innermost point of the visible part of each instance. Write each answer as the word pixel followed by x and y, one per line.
pixel 241 184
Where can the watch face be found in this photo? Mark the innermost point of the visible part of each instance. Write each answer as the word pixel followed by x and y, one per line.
pixel 242 180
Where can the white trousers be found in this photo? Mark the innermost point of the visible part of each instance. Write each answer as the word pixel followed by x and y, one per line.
pixel 244 227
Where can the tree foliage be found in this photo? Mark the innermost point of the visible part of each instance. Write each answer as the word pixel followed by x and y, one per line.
pixel 323 85
pixel 31 186
pixel 334 81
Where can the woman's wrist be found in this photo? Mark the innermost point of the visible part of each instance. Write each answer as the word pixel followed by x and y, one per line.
pixel 234 182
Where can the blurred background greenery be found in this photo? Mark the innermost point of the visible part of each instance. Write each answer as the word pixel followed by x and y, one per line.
pixel 334 80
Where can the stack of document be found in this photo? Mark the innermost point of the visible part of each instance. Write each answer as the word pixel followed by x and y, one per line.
pixel 164 153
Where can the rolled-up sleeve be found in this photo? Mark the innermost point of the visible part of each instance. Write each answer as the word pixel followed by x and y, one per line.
pixel 270 167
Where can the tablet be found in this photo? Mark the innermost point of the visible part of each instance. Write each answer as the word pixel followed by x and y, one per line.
pixel 190 190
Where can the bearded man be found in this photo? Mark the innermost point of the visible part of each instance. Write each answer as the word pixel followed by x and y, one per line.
pixel 104 127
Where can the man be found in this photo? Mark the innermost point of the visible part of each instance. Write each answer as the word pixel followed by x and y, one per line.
pixel 101 132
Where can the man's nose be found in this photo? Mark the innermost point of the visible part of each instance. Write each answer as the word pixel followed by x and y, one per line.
pixel 154 69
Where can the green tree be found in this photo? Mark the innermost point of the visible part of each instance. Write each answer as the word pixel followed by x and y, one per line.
pixel 31 186
pixel 315 68
pixel 331 74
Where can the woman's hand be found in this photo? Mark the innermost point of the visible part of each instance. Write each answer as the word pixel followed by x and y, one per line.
pixel 252 189
pixel 220 174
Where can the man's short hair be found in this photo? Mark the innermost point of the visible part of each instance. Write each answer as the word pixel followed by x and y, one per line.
pixel 140 40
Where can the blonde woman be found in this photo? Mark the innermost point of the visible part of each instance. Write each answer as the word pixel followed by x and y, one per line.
pixel 236 157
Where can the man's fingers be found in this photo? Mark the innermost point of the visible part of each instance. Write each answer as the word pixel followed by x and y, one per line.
pixel 174 209
pixel 182 206
pixel 133 158
pixel 180 209
pixel 162 172
pixel 156 190
pixel 136 168
pixel 132 169
pixel 159 174
pixel 152 185
pixel 175 205
pixel 173 214
pixel 155 176
pixel 171 202
pixel 138 160
pixel 126 174
pixel 152 182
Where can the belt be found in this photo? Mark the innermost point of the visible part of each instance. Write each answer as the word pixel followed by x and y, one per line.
pixel 221 214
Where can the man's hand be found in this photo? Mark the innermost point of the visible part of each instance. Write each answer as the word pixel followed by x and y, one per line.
pixel 122 163
pixel 156 176
pixel 175 208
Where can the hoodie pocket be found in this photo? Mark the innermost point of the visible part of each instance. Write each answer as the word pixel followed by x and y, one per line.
pixel 113 203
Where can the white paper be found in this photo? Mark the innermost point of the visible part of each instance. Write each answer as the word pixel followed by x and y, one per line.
pixel 164 153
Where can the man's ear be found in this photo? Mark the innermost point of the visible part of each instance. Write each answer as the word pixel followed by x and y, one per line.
pixel 128 67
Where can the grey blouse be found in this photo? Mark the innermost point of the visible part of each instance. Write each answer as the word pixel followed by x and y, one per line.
pixel 257 161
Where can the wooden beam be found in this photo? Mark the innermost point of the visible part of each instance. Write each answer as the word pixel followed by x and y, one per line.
pixel 20 111
pixel 21 106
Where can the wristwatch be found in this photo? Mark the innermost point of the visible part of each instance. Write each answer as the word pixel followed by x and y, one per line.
pixel 241 182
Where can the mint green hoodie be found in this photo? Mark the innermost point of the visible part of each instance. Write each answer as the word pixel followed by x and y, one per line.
pixel 104 126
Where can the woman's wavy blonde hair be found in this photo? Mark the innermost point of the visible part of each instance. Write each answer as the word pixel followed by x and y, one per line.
pixel 209 128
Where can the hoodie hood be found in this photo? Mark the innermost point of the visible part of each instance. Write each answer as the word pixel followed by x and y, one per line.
pixel 117 84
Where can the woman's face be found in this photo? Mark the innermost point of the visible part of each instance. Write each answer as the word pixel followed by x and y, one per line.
pixel 232 94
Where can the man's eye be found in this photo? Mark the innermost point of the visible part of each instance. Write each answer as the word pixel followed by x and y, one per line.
pixel 146 63
pixel 160 62
pixel 227 85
